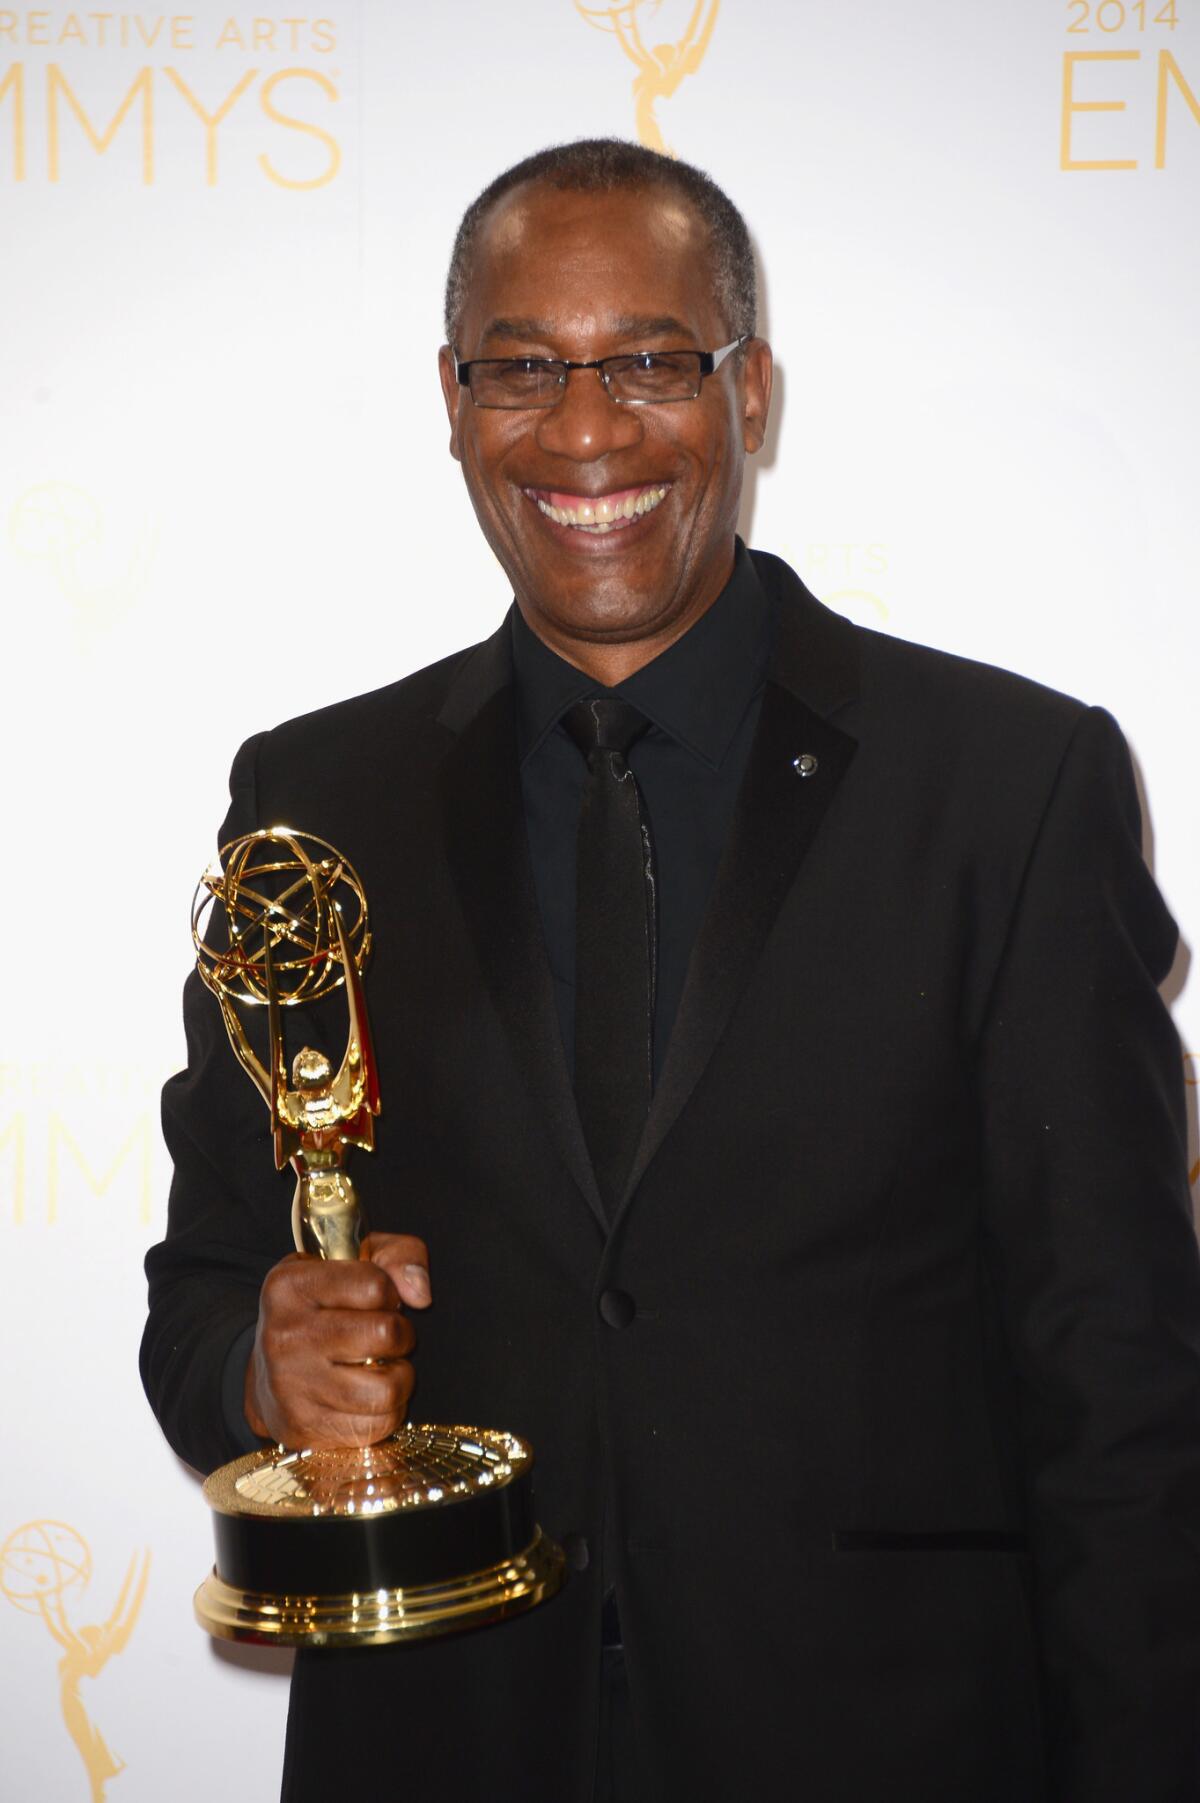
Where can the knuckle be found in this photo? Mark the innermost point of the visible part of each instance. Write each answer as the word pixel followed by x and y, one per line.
pixel 386 1388
pixel 289 1272
pixel 404 1377
pixel 382 1334
pixel 375 1289
pixel 273 1293
pixel 285 1338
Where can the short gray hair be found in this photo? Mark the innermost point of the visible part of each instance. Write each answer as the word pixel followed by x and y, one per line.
pixel 599 165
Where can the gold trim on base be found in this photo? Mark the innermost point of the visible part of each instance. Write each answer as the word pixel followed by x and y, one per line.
pixel 378 1617
pixel 418 1467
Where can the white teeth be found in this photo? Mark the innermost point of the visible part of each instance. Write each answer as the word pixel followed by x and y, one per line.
pixel 604 514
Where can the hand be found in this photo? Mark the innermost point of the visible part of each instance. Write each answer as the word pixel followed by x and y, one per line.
pixel 307 1384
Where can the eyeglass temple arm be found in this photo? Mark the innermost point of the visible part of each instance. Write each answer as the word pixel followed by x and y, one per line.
pixel 712 360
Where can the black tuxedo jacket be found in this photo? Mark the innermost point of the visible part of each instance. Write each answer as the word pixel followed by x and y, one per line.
pixel 899 1430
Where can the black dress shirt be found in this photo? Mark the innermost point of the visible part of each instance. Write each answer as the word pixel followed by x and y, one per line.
pixel 702 697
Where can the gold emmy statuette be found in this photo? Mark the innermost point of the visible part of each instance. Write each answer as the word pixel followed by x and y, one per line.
pixel 41 1562
pixel 661 68
pixel 433 1529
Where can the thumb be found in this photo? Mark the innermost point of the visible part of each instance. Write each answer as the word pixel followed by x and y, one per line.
pixel 406 1260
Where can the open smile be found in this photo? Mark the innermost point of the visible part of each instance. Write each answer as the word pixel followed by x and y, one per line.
pixel 598 515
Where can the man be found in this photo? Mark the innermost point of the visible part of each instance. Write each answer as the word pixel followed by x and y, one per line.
pixel 775 1072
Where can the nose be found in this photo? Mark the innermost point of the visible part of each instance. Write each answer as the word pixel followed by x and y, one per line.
pixel 585 424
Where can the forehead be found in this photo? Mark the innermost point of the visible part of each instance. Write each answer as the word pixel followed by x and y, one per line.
pixel 571 257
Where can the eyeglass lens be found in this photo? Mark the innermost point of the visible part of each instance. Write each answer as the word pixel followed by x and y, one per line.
pixel 539 382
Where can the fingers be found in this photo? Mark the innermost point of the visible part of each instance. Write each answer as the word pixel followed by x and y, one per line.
pixel 349 1335
pixel 379 1392
pixel 331 1283
pixel 330 1364
pixel 406 1261
pixel 339 1398
pixel 340 1405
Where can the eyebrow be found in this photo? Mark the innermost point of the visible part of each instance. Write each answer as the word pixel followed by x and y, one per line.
pixel 650 325
pixel 638 326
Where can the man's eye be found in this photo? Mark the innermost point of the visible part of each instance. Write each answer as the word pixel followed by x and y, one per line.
pixel 654 376
pixel 517 367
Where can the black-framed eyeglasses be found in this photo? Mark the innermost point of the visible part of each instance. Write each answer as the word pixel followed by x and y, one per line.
pixel 639 379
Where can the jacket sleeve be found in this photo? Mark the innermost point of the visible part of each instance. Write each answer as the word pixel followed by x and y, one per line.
pixel 227 1218
pixel 1090 1241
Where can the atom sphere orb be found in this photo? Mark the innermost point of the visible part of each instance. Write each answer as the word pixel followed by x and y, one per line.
pixel 276 892
pixel 40 1561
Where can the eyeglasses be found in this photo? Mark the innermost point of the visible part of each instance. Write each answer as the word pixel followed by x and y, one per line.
pixel 642 379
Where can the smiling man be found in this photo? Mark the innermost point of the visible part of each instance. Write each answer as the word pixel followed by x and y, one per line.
pixel 778 1085
pixel 610 498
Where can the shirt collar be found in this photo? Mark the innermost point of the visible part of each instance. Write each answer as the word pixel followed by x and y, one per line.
pixel 696 691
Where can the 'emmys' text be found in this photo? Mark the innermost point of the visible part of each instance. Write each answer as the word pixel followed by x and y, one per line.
pixel 46 113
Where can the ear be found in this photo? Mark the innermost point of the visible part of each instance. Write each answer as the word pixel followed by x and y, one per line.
pixel 452 394
pixel 757 366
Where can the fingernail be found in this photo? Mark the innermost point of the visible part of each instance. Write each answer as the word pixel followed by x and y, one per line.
pixel 417 1279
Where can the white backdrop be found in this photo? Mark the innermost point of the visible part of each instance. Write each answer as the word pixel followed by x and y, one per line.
pixel 224 499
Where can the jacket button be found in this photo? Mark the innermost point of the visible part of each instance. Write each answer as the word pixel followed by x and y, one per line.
pixel 575 1550
pixel 617 1308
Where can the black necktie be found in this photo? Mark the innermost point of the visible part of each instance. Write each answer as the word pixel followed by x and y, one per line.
pixel 614 943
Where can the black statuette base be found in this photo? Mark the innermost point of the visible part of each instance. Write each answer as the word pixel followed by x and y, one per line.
pixel 429 1532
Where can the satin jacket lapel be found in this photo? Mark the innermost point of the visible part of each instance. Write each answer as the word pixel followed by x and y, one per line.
pixel 813 671
pixel 488 855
